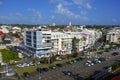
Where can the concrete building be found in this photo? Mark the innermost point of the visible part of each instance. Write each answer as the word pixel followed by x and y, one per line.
pixel 62 43
pixel 42 43
pixel 113 36
pixel 37 42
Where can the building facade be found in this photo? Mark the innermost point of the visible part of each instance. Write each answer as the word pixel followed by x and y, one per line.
pixel 42 43
pixel 113 36
pixel 34 41
pixel 62 43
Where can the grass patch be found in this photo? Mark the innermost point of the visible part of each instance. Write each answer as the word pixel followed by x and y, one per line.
pixel 8 55
pixel 30 69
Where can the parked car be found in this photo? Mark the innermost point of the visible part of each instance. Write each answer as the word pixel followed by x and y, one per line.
pixel 74 61
pixel 26 64
pixel 77 77
pixel 115 53
pixel 59 65
pixel 102 59
pixel 107 67
pixel 96 61
pixel 79 59
pixel 39 70
pixel 45 69
pixel 52 67
pixel 32 64
pixel 26 74
pixel 20 65
pixel 89 63
pixel 69 62
pixel 69 73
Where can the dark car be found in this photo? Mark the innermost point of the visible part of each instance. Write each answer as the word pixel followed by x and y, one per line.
pixel 115 53
pixel 45 69
pixel 74 61
pixel 94 61
pixel 59 65
pixel 26 74
pixel 52 67
pixel 102 59
pixel 77 77
pixel 69 62
pixel 79 59
pixel 0 75
pixel 40 70
pixel 69 73
pixel 107 67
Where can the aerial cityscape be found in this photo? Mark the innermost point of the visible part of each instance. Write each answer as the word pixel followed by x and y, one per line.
pixel 59 40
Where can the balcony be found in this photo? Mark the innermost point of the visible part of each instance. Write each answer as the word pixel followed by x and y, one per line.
pixel 47 45
pixel 66 42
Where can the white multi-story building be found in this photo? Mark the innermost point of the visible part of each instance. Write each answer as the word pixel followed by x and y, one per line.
pixel 62 43
pixel 113 35
pixel 42 43
pixel 38 42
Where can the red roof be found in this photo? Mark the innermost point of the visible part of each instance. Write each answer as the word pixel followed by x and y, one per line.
pixel 84 34
pixel 21 39
pixel 1 33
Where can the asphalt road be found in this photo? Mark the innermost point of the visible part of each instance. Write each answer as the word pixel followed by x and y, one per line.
pixel 78 67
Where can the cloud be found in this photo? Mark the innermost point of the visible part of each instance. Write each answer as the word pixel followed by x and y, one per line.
pixel 82 4
pixel 36 16
pixel 18 14
pixel 1 3
pixel 60 9
pixel 3 17
pixel 78 2
pixel 83 12
pixel 35 13
pixel 114 20
pixel 63 2
pixel 88 6
pixel 52 17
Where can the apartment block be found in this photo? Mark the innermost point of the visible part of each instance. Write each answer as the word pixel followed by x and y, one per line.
pixel 37 43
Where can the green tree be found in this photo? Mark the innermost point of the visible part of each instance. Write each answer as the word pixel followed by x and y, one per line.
pixel 17 35
pixel 75 41
pixel 45 60
pixel 35 60
pixel 0 65
pixel 68 56
pixel 53 57
pixel 3 38
pixel 82 53
pixel 75 54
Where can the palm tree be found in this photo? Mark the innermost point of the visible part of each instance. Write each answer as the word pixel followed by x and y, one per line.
pixel 74 42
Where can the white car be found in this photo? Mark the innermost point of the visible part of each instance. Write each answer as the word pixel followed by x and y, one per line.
pixel 88 64
pixel 20 65
pixel 26 64
pixel 31 63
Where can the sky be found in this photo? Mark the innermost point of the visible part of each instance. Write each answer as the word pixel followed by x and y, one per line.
pixel 101 12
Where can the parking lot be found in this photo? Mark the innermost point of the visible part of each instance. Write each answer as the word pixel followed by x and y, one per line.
pixel 78 67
